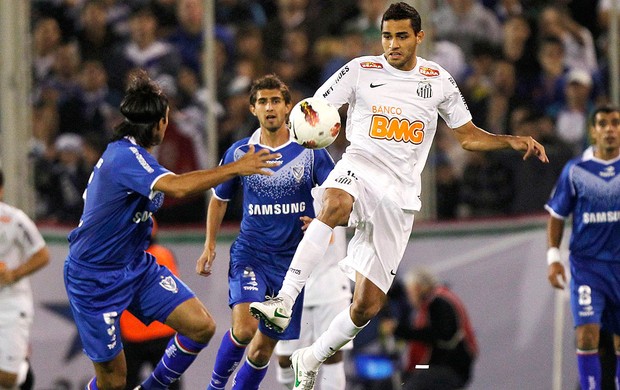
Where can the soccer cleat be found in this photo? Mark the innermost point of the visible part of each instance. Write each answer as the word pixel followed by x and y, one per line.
pixel 273 312
pixel 304 376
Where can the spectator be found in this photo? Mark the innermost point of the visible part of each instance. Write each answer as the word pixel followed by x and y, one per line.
pixel 439 334
pixel 579 50
pixel 547 86
pixel 187 38
pixel 46 39
pixel 23 252
pixel 233 13
pixel 571 116
pixel 143 50
pixel 486 188
pixel 465 22
pixel 532 184
pixel 95 37
pixel 69 176
pixel 518 46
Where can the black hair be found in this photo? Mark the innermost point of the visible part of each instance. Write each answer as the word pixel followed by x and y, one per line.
pixel 143 106
pixel 606 109
pixel 270 81
pixel 402 11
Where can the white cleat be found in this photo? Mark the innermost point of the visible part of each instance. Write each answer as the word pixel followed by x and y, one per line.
pixel 273 312
pixel 304 376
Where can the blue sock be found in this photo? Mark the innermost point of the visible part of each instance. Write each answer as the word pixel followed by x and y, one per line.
pixel 589 369
pixel 249 376
pixel 228 357
pixel 180 353
pixel 92 384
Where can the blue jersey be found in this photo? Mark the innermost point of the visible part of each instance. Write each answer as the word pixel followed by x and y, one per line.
pixel 115 226
pixel 273 204
pixel 589 189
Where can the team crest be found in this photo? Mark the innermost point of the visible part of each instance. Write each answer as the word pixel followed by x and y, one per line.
pixel 424 90
pixel 169 284
pixel 298 172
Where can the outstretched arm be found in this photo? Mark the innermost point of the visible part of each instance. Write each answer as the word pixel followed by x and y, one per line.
pixel 474 138
pixel 194 182
pixel 215 216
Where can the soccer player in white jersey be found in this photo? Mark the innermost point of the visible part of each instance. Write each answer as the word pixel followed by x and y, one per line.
pixel 271 228
pixel 107 269
pixel 327 293
pixel 22 252
pixel 589 189
pixel 393 101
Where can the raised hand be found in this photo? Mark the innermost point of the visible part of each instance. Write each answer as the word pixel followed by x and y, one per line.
pixel 255 162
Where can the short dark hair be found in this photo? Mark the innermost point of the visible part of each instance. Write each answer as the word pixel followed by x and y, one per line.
pixel 401 11
pixel 606 109
pixel 270 81
pixel 143 106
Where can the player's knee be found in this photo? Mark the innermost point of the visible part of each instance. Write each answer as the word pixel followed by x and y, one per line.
pixel 202 330
pixel 244 333
pixel 259 356
pixel 336 209
pixel 207 330
pixel 587 338
pixel 363 311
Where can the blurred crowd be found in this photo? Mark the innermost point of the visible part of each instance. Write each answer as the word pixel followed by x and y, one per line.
pixel 527 67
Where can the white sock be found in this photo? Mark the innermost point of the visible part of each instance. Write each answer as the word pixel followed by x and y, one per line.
pixel 340 331
pixel 286 377
pixel 22 373
pixel 332 376
pixel 308 254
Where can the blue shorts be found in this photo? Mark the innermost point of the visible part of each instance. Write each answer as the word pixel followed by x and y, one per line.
pixel 98 297
pixel 595 293
pixel 250 281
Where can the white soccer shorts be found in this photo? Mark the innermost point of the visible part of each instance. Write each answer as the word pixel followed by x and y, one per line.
pixel 382 227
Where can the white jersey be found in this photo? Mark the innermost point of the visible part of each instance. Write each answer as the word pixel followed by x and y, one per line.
pixel 19 240
pixel 392 117
pixel 328 283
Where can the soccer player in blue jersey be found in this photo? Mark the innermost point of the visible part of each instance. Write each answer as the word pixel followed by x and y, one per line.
pixel 271 228
pixel 107 269
pixel 589 189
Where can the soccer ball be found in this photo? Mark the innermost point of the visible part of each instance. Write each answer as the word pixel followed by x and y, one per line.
pixel 314 123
